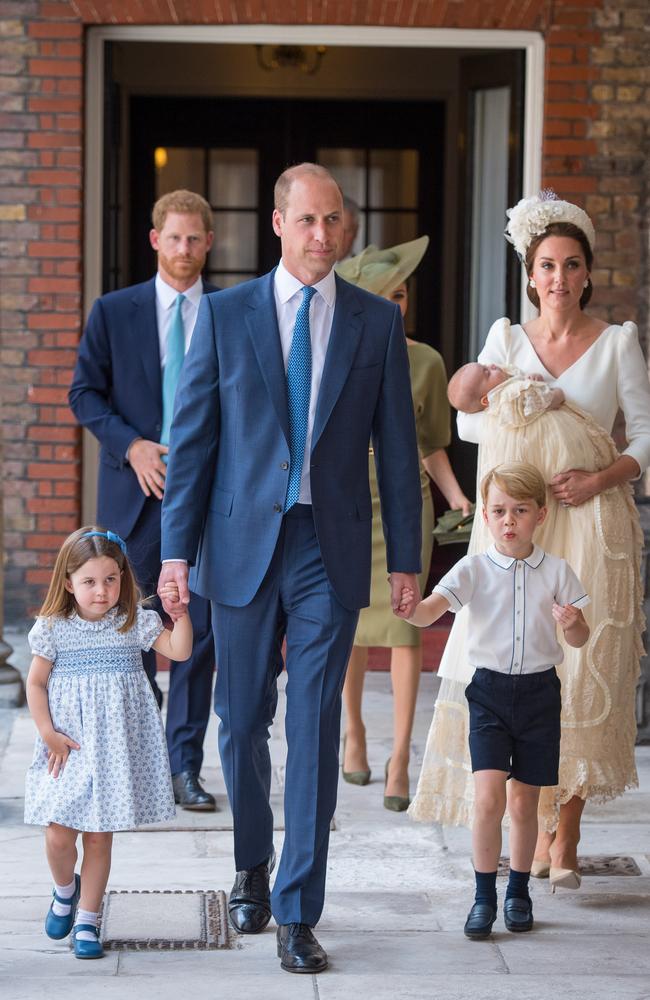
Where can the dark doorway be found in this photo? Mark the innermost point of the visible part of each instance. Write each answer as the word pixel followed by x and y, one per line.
pixel 387 155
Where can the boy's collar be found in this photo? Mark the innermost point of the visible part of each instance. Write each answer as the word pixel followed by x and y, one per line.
pixel 505 562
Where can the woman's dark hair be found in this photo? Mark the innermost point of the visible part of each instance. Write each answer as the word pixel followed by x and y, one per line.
pixel 560 229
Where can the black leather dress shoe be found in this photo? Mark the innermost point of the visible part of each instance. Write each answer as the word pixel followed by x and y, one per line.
pixel 249 906
pixel 518 914
pixel 480 918
pixel 189 794
pixel 298 949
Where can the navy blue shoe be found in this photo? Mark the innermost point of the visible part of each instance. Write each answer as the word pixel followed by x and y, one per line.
pixel 60 927
pixel 518 914
pixel 87 949
pixel 480 918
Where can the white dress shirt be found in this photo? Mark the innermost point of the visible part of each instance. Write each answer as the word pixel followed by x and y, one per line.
pixel 165 300
pixel 511 628
pixel 288 297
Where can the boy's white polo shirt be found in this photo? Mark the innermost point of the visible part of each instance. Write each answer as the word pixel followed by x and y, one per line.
pixel 511 627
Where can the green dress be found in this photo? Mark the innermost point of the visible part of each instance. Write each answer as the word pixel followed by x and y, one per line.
pixel 378 626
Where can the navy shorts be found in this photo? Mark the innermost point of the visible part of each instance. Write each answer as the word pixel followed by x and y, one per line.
pixel 514 724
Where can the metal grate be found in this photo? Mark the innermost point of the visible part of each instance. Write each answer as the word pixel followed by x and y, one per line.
pixel 175 920
pixel 596 864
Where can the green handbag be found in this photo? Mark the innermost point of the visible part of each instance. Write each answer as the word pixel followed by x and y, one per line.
pixel 453 527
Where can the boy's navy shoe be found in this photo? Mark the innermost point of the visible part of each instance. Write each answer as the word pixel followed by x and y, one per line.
pixel 518 914
pixel 59 927
pixel 480 918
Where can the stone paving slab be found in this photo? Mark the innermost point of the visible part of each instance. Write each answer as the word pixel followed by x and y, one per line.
pixel 486 987
pixel 88 985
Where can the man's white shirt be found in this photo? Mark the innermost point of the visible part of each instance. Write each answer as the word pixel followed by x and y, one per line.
pixel 511 628
pixel 165 304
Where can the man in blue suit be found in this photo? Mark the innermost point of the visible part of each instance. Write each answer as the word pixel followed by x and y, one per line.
pixel 267 497
pixel 122 391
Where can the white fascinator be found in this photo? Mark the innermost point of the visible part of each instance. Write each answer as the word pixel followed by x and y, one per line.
pixel 532 216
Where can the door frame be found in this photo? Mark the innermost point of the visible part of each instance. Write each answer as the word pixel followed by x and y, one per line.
pixel 532 43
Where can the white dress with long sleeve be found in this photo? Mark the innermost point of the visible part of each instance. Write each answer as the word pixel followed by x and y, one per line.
pixel 601 540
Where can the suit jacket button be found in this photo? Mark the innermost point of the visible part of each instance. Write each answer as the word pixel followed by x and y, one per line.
pixel 284 465
pixel 277 508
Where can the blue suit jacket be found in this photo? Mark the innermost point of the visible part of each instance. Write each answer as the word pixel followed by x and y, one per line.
pixel 229 450
pixel 116 393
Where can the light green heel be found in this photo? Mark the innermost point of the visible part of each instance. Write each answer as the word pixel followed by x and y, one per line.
pixel 396 803
pixel 354 777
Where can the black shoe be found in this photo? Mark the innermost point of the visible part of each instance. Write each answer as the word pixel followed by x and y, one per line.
pixel 298 949
pixel 249 906
pixel 518 914
pixel 189 794
pixel 480 918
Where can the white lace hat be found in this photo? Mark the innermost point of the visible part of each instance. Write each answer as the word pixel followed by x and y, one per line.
pixel 530 217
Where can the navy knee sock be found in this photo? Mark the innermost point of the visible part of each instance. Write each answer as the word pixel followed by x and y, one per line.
pixel 486 888
pixel 518 885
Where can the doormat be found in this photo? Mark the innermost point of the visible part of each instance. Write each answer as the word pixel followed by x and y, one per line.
pixel 596 864
pixel 166 920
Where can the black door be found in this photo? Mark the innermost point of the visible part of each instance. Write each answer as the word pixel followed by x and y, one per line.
pixel 388 156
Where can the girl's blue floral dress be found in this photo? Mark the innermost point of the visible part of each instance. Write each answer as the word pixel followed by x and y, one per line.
pixel 100 696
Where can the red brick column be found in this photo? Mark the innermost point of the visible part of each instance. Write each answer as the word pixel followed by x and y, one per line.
pixel 40 266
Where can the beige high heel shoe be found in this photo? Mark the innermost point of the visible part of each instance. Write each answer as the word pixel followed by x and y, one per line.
pixel 540 869
pixel 564 878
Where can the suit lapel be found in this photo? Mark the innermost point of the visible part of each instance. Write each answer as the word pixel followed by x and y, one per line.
pixel 145 338
pixel 347 326
pixel 262 323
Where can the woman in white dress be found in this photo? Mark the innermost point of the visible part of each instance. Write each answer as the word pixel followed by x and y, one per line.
pixel 600 368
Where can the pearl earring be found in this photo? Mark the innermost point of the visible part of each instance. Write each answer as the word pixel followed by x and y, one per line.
pixel 532 283
pixel 586 284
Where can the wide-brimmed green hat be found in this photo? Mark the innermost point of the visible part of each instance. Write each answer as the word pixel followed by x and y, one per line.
pixel 382 271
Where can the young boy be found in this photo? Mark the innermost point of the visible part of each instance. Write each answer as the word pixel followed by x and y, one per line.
pixel 517 595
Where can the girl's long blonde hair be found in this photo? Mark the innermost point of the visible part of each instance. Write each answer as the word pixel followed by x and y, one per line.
pixel 77 549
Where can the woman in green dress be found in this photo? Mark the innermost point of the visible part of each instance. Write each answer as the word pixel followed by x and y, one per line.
pixel 385 272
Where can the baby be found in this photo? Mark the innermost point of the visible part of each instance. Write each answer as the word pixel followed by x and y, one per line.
pixel 470 387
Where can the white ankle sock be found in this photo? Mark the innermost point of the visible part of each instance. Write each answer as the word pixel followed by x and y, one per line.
pixel 86 917
pixel 65 892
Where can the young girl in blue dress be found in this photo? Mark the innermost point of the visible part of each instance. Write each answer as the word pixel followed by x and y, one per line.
pixel 100 762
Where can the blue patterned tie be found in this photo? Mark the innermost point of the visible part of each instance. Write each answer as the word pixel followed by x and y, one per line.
pixel 173 365
pixel 298 391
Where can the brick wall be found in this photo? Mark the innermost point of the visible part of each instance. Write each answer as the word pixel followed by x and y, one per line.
pixel 597 121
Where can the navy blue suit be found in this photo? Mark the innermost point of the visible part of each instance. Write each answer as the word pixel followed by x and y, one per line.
pixel 116 393
pixel 303 575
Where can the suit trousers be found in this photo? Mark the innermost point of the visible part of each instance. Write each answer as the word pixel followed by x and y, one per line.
pixel 190 681
pixel 296 601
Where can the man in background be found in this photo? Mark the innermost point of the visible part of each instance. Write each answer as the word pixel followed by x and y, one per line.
pixel 123 389
pixel 350 227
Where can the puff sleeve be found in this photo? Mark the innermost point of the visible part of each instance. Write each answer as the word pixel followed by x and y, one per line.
pixel 41 639
pixel 148 627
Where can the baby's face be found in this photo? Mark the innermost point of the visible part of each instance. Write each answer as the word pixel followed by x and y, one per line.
pixel 481 379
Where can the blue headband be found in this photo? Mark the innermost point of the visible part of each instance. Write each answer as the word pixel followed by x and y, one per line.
pixel 110 535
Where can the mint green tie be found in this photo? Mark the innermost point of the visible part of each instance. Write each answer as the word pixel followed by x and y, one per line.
pixel 173 365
